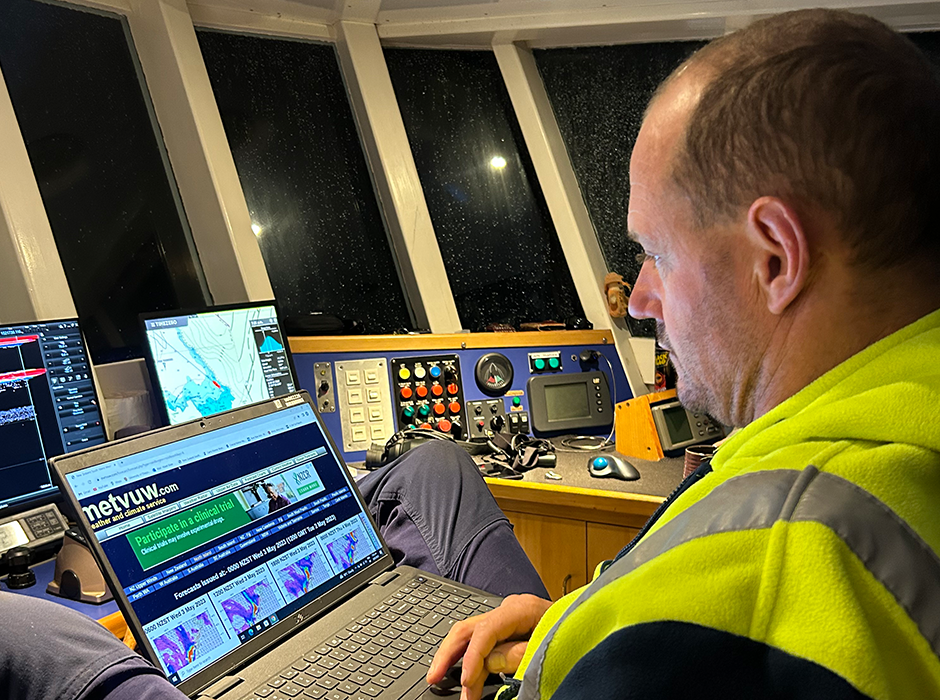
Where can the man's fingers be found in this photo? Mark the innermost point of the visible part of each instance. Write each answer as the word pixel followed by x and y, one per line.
pixel 513 620
pixel 505 658
pixel 473 691
pixel 452 648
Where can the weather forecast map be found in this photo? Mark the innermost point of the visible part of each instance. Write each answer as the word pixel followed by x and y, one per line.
pixel 211 362
pixel 348 543
pixel 181 646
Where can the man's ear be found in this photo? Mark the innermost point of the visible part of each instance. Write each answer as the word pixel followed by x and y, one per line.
pixel 781 263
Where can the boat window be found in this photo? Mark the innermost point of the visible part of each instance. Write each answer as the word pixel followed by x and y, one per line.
pixel 598 95
pixel 306 181
pixel 98 156
pixel 497 239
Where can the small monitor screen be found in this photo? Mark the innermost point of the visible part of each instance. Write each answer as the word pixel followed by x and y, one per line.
pixel 567 401
pixel 48 406
pixel 677 423
pixel 216 360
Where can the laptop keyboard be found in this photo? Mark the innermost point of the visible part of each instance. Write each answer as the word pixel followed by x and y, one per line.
pixel 385 652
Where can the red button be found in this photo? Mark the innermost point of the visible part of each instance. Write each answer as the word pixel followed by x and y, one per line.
pixel 437 390
pixel 422 391
pixel 444 425
pixel 406 393
pixel 452 389
pixel 425 426
pixel 480 424
pixel 439 409
pixel 454 407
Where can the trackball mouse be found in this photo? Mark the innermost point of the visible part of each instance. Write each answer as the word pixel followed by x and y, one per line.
pixel 613 467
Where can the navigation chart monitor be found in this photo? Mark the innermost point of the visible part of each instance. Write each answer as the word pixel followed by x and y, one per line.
pixel 48 406
pixel 211 361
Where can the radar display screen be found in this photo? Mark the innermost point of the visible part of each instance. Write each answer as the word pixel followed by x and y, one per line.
pixel 48 406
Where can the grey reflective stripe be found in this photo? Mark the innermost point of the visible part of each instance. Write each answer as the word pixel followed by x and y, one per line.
pixel 891 551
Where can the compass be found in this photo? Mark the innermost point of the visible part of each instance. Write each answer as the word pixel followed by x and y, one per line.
pixel 493 374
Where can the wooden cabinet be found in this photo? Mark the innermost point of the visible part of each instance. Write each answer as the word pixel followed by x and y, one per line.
pixel 567 531
pixel 556 547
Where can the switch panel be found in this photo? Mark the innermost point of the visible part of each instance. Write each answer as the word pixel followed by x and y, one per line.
pixel 428 393
pixel 365 402
pixel 323 375
pixel 485 418
pixel 545 362
pixel 518 422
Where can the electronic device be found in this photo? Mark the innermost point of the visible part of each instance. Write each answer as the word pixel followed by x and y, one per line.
pixel 239 546
pixel 209 361
pixel 653 425
pixel 77 576
pixel 48 406
pixel 563 403
pixel 429 393
pixel 612 466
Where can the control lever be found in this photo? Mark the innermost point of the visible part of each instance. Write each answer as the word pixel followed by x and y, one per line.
pixel 18 563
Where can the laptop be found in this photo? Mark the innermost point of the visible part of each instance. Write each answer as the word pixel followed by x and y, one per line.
pixel 247 564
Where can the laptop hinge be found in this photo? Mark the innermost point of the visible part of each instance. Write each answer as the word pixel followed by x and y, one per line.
pixel 220 687
pixel 384 578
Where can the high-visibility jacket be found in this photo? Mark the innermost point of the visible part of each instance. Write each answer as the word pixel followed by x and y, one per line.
pixel 805 565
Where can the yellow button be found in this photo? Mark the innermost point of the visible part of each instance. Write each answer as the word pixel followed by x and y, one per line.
pixel 404 373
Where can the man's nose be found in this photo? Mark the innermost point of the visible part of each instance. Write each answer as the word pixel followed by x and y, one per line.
pixel 644 299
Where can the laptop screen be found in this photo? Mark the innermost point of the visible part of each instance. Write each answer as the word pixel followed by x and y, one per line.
pixel 216 537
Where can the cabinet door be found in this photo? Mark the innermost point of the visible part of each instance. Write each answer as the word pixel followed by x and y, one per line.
pixel 556 547
pixel 605 541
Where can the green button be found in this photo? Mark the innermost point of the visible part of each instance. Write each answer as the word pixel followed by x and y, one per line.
pixel 409 411
pixel 539 363
pixel 424 411
pixel 554 363
pixel 516 401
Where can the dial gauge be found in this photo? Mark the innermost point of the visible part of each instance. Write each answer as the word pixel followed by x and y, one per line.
pixel 493 374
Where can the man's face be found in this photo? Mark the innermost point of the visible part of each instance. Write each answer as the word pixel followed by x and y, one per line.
pixel 694 281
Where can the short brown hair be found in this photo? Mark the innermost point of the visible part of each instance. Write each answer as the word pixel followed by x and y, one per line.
pixel 828 109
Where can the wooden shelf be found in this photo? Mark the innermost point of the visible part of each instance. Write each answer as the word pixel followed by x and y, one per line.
pixel 445 341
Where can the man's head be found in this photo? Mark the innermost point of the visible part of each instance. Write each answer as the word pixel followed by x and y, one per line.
pixel 269 489
pixel 778 169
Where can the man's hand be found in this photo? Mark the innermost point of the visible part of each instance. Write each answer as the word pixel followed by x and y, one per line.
pixel 490 643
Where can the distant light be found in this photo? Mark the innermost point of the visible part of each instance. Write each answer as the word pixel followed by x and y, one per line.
pixel 257 229
pixel 498 162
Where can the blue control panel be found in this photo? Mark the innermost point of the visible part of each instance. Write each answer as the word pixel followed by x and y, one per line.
pixel 364 397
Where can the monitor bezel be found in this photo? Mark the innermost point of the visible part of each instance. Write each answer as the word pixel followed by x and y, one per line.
pixel 156 387
pixel 55 494
pixel 64 465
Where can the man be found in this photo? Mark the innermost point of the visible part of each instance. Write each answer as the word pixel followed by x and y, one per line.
pixel 275 500
pixel 785 186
